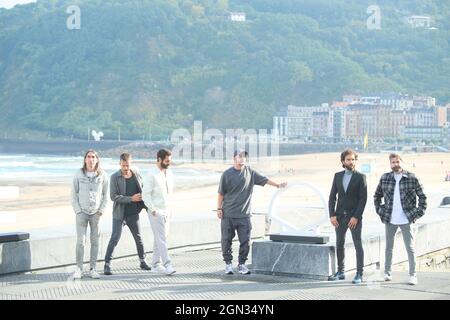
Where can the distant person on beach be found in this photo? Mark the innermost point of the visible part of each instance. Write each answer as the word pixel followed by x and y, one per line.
pixel 157 196
pixel 350 186
pixel 89 199
pixel 400 189
pixel 126 192
pixel 233 208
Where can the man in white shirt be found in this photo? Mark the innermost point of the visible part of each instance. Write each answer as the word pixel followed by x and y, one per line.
pixel 157 196
pixel 400 190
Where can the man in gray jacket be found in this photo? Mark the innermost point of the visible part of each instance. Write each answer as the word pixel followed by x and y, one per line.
pixel 89 198
pixel 126 192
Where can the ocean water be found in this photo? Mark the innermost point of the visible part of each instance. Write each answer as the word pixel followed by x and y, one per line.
pixel 62 169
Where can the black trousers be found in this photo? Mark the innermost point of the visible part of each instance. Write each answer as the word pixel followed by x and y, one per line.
pixel 340 242
pixel 132 222
pixel 229 227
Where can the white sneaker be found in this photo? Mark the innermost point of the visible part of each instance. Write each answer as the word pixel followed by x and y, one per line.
pixel 77 273
pixel 94 274
pixel 242 269
pixel 159 268
pixel 170 270
pixel 229 268
pixel 413 280
pixel 387 276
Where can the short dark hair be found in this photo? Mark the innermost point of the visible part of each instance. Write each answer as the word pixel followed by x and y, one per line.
pixel 347 152
pixel 240 151
pixel 162 154
pixel 395 156
pixel 125 157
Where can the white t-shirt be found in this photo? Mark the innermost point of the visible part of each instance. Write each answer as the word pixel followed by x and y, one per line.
pixel 398 215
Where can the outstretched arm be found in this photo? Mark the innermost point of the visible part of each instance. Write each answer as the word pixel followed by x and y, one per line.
pixel 277 185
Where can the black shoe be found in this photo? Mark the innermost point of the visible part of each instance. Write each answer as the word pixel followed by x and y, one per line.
pixel 107 270
pixel 145 266
pixel 337 276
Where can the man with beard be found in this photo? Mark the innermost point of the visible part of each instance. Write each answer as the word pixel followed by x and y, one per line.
pixel 400 190
pixel 157 197
pixel 351 188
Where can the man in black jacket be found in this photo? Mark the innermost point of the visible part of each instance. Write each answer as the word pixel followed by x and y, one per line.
pixel 351 188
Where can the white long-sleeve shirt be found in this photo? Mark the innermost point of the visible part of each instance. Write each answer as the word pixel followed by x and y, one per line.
pixel 158 191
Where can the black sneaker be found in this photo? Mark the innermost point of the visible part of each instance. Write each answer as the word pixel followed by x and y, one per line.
pixel 107 270
pixel 337 276
pixel 145 266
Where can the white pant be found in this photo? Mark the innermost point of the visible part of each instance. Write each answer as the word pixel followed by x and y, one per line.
pixel 160 227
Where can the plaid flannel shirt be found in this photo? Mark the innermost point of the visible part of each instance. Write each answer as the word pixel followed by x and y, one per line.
pixel 410 190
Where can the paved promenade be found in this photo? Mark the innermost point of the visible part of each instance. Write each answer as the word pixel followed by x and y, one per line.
pixel 200 277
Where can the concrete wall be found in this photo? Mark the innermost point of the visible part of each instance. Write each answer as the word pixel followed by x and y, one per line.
pixel 319 261
pixel 56 247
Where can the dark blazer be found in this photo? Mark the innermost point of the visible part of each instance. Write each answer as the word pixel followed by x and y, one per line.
pixel 353 201
pixel 117 186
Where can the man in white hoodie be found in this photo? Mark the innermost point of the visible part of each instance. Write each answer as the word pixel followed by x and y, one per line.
pixel 89 199
pixel 157 194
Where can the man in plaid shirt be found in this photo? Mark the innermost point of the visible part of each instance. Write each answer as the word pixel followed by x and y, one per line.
pixel 400 190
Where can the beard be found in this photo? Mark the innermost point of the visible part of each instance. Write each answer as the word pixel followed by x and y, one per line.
pixel 397 168
pixel 349 167
pixel 165 166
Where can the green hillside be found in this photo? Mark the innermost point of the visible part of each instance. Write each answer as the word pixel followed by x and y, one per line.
pixel 151 66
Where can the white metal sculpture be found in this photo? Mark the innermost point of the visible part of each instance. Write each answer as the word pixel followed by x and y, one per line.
pixel 286 227
pixel 97 135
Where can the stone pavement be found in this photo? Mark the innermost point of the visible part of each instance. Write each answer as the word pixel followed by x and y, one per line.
pixel 200 276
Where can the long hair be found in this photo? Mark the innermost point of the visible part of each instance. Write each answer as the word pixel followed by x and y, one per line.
pixel 97 166
pixel 347 152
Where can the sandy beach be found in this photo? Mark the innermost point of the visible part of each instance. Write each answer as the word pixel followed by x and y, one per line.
pixel 47 204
